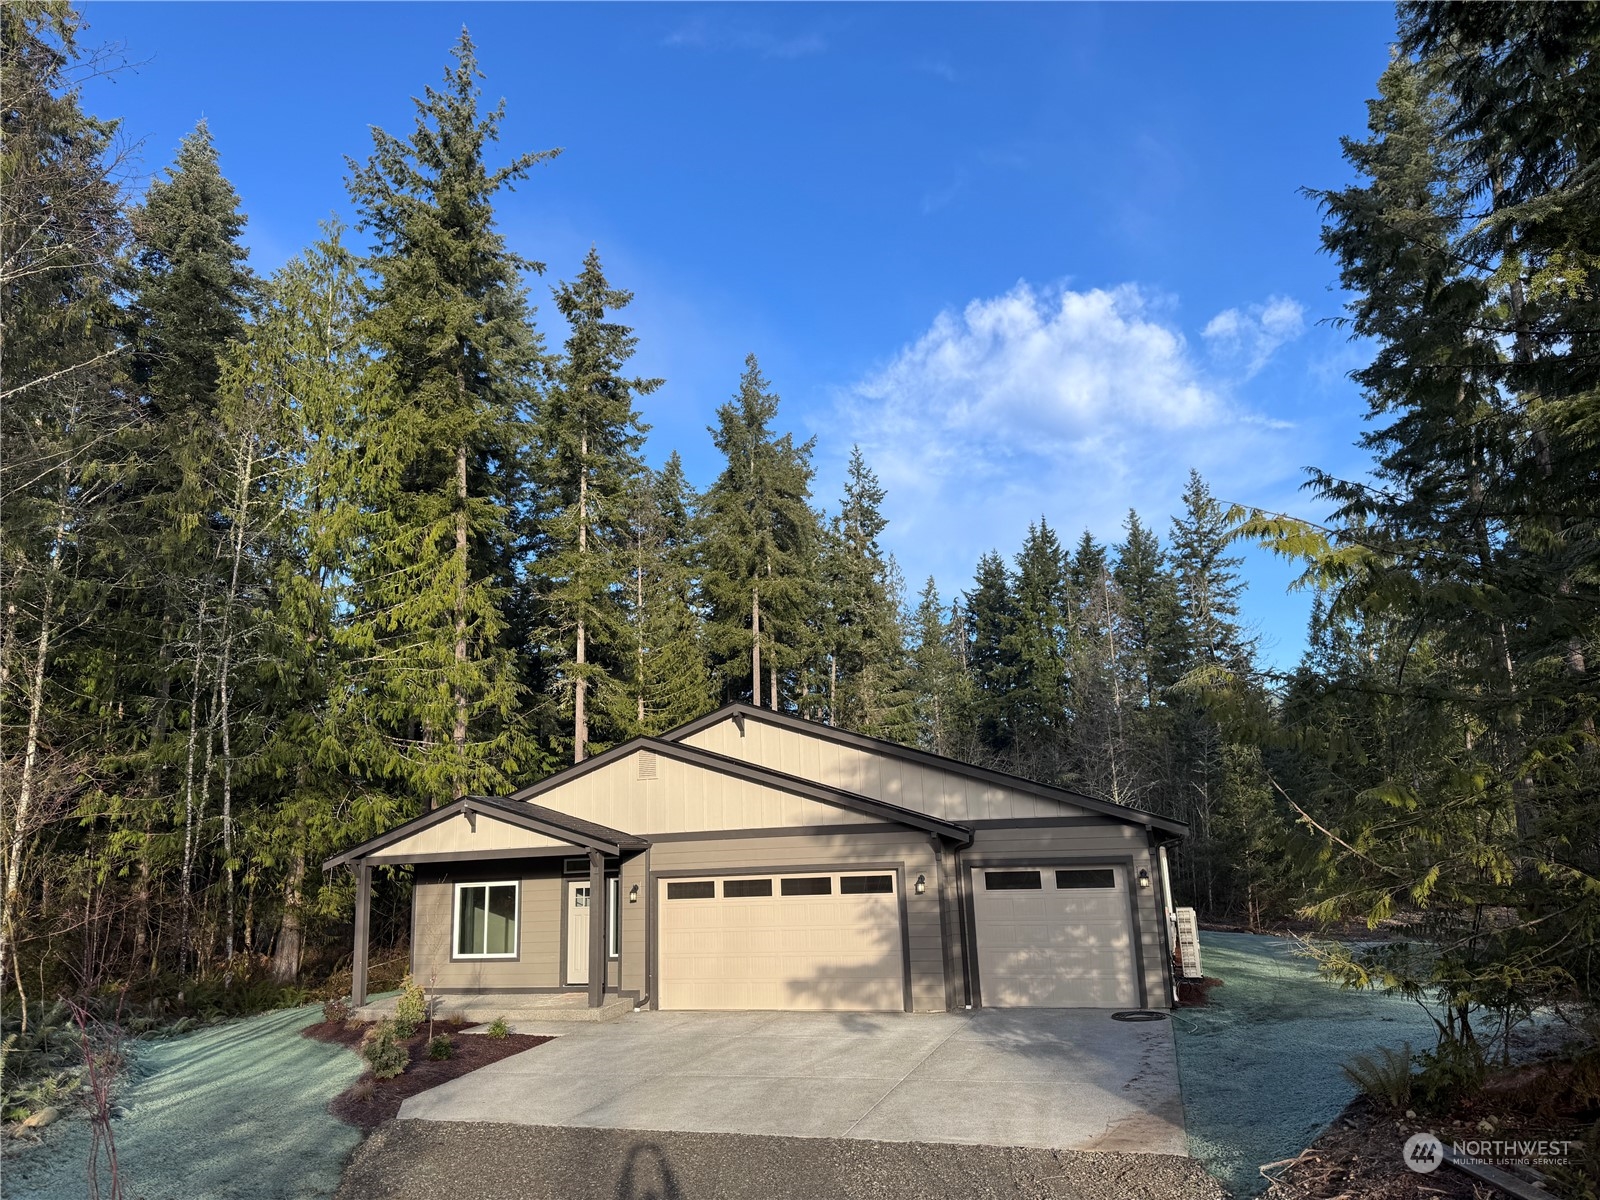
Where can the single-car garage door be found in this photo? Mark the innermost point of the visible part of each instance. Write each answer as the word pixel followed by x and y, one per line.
pixel 1054 937
pixel 781 941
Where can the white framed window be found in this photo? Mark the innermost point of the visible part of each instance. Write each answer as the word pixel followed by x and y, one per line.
pixel 486 919
pixel 613 917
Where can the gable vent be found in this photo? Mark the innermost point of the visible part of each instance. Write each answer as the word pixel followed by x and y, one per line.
pixel 647 764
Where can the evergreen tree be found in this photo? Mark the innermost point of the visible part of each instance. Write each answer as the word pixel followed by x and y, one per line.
pixel 939 683
pixel 1037 646
pixel 447 455
pixel 590 435
pixel 760 536
pixel 666 683
pixel 990 615
pixel 1208 584
pixel 1150 611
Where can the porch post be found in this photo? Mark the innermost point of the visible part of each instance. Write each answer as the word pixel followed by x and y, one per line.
pixel 358 970
pixel 598 919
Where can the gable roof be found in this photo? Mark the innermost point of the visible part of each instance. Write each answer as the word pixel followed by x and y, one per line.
pixel 740 711
pixel 586 835
pixel 750 772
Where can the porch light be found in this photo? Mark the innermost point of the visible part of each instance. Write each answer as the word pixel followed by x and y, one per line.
pixel 922 884
pixel 633 894
pixel 1144 878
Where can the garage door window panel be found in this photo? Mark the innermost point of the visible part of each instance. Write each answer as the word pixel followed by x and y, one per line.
pixel 699 889
pixel 486 919
pixel 866 885
pixel 1012 881
pixel 808 886
pixel 1100 877
pixel 740 889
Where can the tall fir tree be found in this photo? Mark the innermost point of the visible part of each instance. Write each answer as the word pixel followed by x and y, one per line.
pixel 990 613
pixel 448 449
pixel 1037 644
pixel 940 684
pixel 663 681
pixel 760 539
pixel 1208 584
pixel 590 435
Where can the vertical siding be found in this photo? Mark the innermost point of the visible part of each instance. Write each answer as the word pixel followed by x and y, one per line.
pixel 1114 839
pixel 914 853
pixel 538 927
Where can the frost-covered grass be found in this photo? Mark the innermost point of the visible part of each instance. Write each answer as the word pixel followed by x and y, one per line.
pixel 235 1111
pixel 1260 1064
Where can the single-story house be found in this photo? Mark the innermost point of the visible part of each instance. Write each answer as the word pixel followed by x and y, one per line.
pixel 755 860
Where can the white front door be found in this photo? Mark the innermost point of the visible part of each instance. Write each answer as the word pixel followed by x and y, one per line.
pixel 577 931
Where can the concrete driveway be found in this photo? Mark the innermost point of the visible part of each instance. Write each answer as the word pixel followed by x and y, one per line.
pixel 1049 1078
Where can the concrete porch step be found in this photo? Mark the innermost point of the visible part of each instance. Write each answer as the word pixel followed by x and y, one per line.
pixel 478 1010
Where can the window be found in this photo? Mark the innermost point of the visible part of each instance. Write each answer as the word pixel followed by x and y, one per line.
pixel 816 886
pixel 613 916
pixel 486 920
pixel 574 866
pixel 736 888
pixel 1099 878
pixel 698 890
pixel 1012 881
pixel 865 885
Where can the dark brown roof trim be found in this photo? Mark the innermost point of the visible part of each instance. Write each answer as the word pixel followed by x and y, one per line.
pixel 741 712
pixel 793 784
pixel 532 817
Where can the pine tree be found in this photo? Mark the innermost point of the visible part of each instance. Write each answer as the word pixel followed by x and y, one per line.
pixel 860 632
pixel 1037 645
pixel 666 683
pixel 1208 584
pixel 940 685
pixel 1150 610
pixel 447 457
pixel 590 435
pixel 990 615
pixel 759 543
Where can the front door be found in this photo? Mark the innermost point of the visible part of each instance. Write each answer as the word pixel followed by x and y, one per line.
pixel 577 932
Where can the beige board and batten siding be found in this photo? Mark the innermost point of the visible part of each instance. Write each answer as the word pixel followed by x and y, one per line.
pixel 1110 841
pixel 463 834
pixel 907 849
pixel 657 794
pixel 949 795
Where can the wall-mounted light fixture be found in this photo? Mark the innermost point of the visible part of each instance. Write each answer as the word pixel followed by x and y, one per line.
pixel 921 884
pixel 633 894
pixel 1144 878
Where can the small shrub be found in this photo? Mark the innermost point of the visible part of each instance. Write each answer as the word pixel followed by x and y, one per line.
pixel 411 1009
pixel 363 1088
pixel 384 1049
pixel 1386 1079
pixel 440 1047
pixel 497 1028
pixel 335 1011
pixel 1451 1073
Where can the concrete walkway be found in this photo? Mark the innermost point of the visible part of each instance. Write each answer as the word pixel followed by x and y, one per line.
pixel 1048 1078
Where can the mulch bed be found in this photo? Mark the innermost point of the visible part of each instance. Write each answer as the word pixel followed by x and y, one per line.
pixel 370 1102
pixel 1359 1155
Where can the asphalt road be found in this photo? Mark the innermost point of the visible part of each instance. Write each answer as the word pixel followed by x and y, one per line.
pixel 427 1160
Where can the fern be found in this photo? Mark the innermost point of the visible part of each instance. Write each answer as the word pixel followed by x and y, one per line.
pixel 1386 1079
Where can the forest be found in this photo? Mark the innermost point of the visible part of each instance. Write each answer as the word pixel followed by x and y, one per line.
pixel 289 559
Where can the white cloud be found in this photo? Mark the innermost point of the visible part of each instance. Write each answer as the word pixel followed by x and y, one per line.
pixel 698 34
pixel 1076 405
pixel 1251 336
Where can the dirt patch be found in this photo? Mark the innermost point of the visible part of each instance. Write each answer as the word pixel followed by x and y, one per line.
pixel 1360 1153
pixel 370 1102
pixel 1196 993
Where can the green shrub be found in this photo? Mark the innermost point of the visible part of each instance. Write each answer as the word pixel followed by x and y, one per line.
pixel 384 1049
pixel 497 1028
pixel 440 1047
pixel 1386 1079
pixel 1451 1073
pixel 335 1012
pixel 411 1009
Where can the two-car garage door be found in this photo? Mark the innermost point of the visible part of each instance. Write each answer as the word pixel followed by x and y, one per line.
pixel 1054 937
pixel 806 940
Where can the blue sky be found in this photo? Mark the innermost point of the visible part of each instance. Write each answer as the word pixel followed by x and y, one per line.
pixel 1034 259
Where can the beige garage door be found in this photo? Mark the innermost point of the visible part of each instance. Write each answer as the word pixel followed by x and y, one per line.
pixel 1054 937
pixel 781 941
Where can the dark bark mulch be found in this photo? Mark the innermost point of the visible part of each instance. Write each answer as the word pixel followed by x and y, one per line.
pixel 370 1102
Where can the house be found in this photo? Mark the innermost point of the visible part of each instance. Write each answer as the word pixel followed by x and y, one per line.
pixel 755 860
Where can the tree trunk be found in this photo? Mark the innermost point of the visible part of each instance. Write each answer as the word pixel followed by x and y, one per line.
pixel 580 691
pixel 11 886
pixel 186 874
pixel 291 934
pixel 833 689
pixel 459 734
pixel 755 647
pixel 773 672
